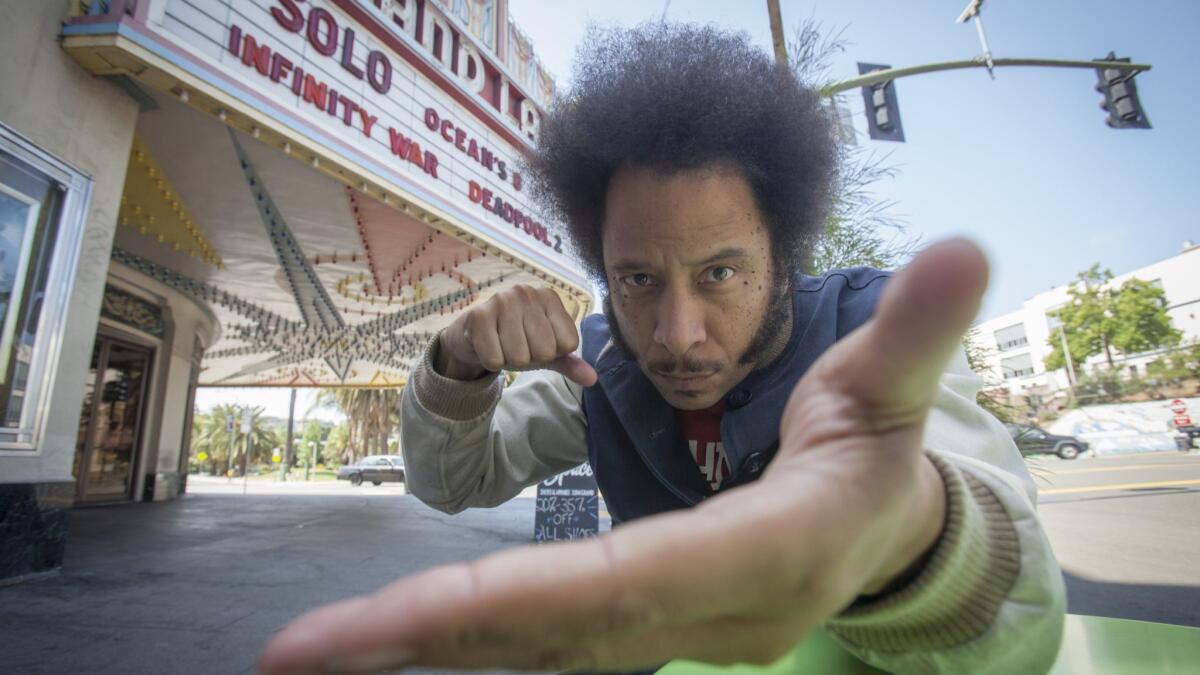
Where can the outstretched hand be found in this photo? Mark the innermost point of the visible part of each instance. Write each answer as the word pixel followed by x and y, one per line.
pixel 849 503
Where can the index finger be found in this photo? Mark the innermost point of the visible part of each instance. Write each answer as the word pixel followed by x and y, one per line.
pixel 497 611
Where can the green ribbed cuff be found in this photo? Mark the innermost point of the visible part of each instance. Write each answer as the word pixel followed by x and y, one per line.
pixel 457 400
pixel 956 597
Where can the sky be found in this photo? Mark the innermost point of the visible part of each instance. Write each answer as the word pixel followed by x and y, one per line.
pixel 1024 165
pixel 274 401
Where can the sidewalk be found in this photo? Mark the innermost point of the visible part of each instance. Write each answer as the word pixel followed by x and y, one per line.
pixel 197 585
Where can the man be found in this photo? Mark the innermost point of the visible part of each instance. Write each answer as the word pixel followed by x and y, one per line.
pixel 781 453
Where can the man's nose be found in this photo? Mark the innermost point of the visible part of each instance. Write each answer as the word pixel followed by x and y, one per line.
pixel 680 322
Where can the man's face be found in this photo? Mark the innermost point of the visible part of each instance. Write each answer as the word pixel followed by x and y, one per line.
pixel 688 260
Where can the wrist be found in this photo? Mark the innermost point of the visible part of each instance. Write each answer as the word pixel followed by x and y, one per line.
pixel 921 537
pixel 447 366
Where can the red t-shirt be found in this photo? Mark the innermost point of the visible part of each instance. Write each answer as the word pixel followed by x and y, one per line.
pixel 701 432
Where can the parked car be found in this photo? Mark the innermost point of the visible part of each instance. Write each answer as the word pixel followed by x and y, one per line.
pixel 375 469
pixel 1033 440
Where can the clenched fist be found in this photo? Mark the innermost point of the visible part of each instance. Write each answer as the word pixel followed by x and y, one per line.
pixel 522 328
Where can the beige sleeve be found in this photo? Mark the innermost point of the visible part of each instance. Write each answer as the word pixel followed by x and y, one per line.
pixel 479 444
pixel 990 598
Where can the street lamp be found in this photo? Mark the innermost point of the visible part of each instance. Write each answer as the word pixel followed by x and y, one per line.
pixel 312 458
pixel 972 12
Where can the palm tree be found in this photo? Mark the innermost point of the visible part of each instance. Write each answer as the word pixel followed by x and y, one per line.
pixel 209 436
pixel 372 415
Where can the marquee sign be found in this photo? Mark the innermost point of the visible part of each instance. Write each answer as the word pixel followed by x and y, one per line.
pixel 418 206
pixel 447 114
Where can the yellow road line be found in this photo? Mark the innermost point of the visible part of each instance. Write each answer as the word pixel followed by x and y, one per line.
pixel 1121 486
pixel 1131 467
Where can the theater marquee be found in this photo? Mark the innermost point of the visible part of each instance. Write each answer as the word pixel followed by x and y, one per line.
pixel 422 96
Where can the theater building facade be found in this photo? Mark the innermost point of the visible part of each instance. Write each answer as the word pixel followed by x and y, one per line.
pixel 258 193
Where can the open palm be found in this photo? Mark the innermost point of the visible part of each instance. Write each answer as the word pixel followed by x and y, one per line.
pixel 848 503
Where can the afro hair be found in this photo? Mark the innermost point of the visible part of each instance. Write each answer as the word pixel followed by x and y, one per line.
pixel 678 97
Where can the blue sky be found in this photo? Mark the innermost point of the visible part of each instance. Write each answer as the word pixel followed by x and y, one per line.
pixel 1025 165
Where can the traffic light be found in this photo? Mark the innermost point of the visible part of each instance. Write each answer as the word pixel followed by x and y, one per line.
pixel 883 109
pixel 1120 96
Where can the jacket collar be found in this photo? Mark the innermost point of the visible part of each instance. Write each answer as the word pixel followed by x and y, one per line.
pixel 649 422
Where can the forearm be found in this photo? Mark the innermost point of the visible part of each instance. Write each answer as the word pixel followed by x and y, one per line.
pixel 468 444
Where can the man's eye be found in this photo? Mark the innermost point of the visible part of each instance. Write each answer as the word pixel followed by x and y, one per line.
pixel 639 280
pixel 720 273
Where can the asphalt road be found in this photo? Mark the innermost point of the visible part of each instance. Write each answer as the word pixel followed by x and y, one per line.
pixel 1126 531
pixel 197 585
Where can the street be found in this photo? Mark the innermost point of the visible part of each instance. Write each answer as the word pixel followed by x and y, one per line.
pixel 1126 530
pixel 198 584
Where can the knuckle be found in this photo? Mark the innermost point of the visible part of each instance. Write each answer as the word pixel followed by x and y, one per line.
pixel 570 342
pixel 549 296
pixel 477 321
pixel 542 354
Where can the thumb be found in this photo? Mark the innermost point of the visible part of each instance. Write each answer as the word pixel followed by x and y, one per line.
pixel 575 369
pixel 894 360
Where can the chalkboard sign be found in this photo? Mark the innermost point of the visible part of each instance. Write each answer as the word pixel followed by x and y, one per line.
pixel 567 506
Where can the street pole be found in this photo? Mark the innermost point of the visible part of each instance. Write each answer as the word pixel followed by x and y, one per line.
pixel 777 32
pixel 1062 334
pixel 232 428
pixel 287 452
pixel 246 464
pixel 246 429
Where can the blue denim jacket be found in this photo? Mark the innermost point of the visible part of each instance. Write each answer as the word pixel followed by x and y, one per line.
pixel 633 440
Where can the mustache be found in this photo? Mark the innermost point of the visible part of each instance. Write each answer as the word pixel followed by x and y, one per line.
pixel 671 367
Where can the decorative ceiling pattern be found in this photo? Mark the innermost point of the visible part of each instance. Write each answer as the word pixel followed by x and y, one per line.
pixel 150 204
pixel 313 282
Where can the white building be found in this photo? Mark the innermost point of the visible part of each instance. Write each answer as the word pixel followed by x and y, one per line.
pixel 1018 342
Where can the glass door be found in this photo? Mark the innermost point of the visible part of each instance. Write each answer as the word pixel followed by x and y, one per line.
pixel 110 423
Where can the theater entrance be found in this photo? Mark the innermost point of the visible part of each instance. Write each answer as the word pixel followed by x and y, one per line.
pixel 110 423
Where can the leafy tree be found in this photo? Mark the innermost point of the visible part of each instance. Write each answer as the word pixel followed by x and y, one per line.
pixel 310 439
pixel 209 436
pixel 1087 319
pixel 1176 366
pixel 372 416
pixel 335 445
pixel 1099 318
pixel 1143 323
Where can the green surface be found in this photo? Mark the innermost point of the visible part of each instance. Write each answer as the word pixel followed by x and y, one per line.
pixel 1091 644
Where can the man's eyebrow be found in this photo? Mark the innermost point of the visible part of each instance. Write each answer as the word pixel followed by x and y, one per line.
pixel 626 266
pixel 724 254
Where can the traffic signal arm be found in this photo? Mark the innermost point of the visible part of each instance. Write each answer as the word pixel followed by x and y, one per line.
pixel 878 76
